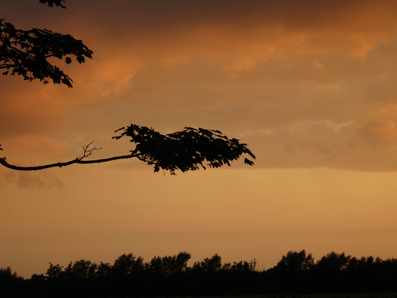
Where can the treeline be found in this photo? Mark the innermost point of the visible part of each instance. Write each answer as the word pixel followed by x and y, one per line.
pixel 130 276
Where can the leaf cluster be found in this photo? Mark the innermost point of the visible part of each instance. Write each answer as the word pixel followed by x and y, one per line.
pixel 26 52
pixel 184 150
pixel 51 3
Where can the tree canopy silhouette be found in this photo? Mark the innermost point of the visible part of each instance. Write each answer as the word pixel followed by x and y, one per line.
pixel 26 53
pixel 171 276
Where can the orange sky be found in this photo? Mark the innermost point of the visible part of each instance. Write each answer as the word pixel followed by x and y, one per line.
pixel 309 85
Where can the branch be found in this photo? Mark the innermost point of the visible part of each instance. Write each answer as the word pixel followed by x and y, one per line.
pixel 185 150
pixel 79 160
pixel 3 161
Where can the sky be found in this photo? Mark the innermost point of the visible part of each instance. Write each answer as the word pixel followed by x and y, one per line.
pixel 308 85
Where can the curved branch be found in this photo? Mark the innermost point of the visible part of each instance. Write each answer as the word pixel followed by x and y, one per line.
pixel 87 151
pixel 185 150
pixel 78 160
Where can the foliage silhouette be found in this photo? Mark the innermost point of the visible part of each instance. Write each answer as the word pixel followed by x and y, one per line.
pixel 296 261
pixel 127 265
pixel 168 265
pixel 170 276
pixel 184 150
pixel 51 3
pixel 333 262
pixel 213 264
pixel 26 53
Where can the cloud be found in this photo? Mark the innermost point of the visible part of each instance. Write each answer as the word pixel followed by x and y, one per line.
pixel 379 131
pixel 381 128
pixel 338 126
pixel 31 180
pixel 386 110
pixel 33 148
pixel 309 72
pixel 28 107
pixel 107 75
pixel 239 34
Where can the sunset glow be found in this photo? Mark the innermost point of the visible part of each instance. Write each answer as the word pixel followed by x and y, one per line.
pixel 308 85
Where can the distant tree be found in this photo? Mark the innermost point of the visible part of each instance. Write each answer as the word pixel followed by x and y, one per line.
pixel 54 272
pixel 333 262
pixel 362 264
pixel 103 270
pixel 81 269
pixel 212 264
pixel 26 53
pixel 168 265
pixel 6 274
pixel 296 261
pixel 243 266
pixel 181 261
pixel 11 285
pixel 155 266
pixel 127 265
pixel 130 277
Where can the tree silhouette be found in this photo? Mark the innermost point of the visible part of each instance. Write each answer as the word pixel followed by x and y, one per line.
pixel 333 262
pixel 296 261
pixel 127 265
pixel 170 276
pixel 168 265
pixel 26 53
pixel 212 264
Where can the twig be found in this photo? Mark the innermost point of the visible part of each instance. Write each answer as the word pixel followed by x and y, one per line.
pixel 87 152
